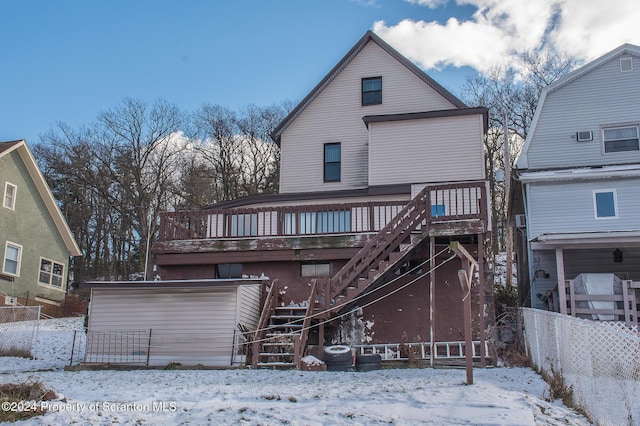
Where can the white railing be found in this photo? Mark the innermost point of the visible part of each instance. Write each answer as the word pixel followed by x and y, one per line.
pixel 422 350
pixel 599 362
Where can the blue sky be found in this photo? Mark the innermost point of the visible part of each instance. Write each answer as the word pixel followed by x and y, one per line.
pixel 68 60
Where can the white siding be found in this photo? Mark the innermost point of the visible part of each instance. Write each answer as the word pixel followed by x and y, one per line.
pixel 427 150
pixel 249 305
pixel 189 326
pixel 336 116
pixel 568 207
pixel 603 97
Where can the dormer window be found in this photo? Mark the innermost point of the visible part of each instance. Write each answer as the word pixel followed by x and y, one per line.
pixel 371 91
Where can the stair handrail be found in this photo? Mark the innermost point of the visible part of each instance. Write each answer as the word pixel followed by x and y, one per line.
pixel 270 303
pixel 372 249
pixel 301 341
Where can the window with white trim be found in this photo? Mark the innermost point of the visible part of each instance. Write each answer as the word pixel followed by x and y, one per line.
pixel 12 259
pixel 51 273
pixel 620 139
pixel 9 200
pixel 605 204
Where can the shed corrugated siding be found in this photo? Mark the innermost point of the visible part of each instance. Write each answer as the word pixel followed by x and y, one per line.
pixel 430 150
pixel 581 261
pixel 249 305
pixel 336 116
pixel 568 207
pixel 604 96
pixel 188 326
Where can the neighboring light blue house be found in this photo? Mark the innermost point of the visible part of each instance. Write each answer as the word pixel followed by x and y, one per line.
pixel 578 191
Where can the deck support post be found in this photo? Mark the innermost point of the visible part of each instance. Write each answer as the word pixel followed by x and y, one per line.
pixel 432 282
pixel 465 275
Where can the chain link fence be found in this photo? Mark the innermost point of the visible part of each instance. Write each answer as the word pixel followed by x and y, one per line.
pixel 19 330
pixel 599 362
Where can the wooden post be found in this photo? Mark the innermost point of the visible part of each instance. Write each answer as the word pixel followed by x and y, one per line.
pixel 562 291
pixel 432 282
pixel 465 276
pixel 482 297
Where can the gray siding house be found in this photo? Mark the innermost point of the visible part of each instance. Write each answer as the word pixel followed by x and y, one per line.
pixel 578 197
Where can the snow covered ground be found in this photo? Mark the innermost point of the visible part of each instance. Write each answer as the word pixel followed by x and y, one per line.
pixel 500 396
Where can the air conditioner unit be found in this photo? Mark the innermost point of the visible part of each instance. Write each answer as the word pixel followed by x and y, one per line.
pixel 10 300
pixel 521 221
pixel 584 136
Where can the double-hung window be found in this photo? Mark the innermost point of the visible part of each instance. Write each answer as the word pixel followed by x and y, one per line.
pixel 12 258
pixel 605 204
pixel 619 139
pixel 371 91
pixel 332 161
pixel 9 200
pixel 51 273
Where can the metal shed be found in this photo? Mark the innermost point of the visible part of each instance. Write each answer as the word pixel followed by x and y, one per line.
pixel 157 323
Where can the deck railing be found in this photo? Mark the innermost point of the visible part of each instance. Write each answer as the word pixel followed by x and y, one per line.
pixel 456 201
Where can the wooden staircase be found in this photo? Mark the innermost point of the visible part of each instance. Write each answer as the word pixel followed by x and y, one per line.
pixel 283 330
pixel 389 247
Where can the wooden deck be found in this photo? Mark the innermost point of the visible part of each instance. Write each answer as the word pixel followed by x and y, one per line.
pixel 455 208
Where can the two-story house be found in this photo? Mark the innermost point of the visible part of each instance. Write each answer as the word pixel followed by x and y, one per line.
pixel 579 192
pixel 381 169
pixel 35 240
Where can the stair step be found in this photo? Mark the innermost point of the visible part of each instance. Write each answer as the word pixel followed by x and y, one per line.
pixel 287 325
pixel 276 364
pixel 292 334
pixel 287 317
pixel 273 344
pixel 276 354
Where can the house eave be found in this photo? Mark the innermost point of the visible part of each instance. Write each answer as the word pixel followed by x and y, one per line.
pixel 582 240
pixel 580 173
pixel 429 115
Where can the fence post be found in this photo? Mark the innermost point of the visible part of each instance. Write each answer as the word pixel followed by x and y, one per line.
pixel 149 347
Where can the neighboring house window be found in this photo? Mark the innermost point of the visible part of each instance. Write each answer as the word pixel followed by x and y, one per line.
pixel 619 139
pixel 332 159
pixel 315 270
pixel 244 225
pixel 12 258
pixel 371 91
pixel 10 196
pixel 605 204
pixel 51 273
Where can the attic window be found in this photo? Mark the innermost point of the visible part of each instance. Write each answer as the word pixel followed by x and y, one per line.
pixel 371 91
pixel 9 201
pixel 626 64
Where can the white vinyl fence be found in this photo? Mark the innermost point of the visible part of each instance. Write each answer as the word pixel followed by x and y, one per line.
pixel 600 361
pixel 19 330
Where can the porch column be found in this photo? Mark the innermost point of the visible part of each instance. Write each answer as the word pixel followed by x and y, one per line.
pixel 562 292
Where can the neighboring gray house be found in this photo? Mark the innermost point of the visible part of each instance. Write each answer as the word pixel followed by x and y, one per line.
pixel 579 191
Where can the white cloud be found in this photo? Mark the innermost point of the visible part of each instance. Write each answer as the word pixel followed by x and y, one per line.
pixel 501 29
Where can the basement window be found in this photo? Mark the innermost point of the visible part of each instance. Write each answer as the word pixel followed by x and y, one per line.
pixel 229 270
pixel 315 270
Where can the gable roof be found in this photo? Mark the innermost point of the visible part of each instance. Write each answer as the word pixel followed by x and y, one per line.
pixel 369 36
pixel 625 49
pixel 43 189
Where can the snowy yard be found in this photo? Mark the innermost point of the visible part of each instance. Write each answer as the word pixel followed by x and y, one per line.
pixel 500 396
